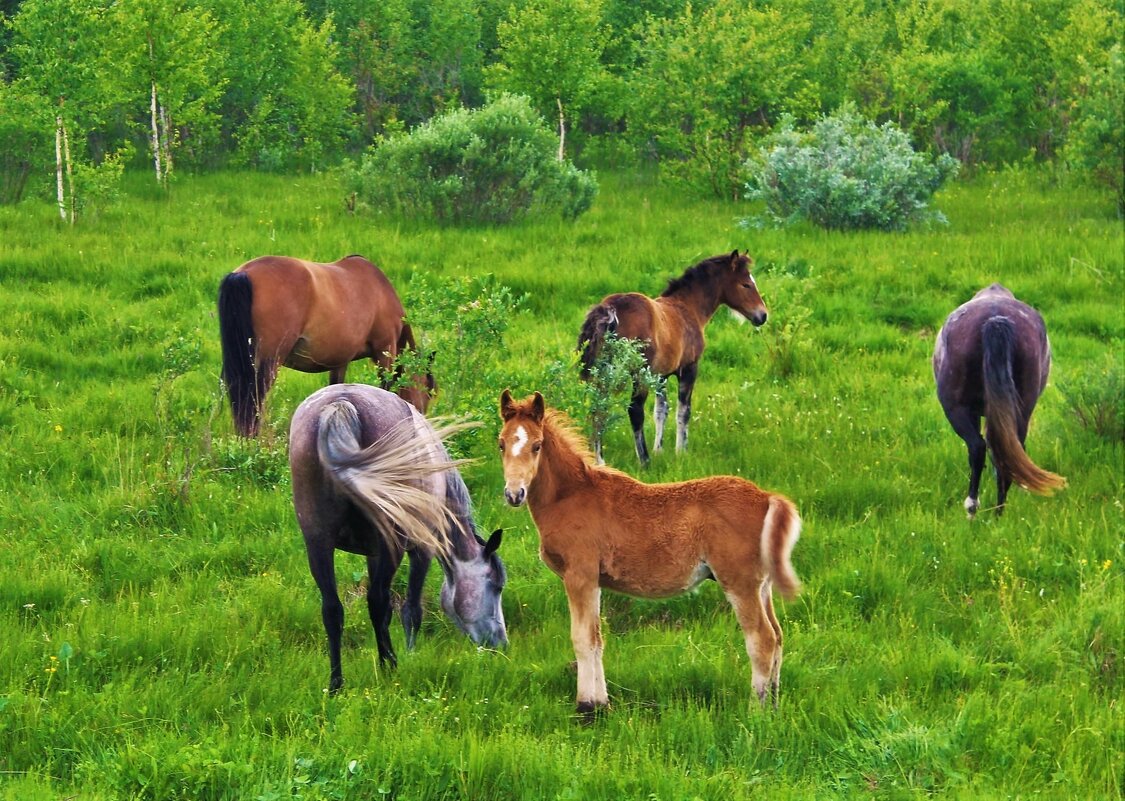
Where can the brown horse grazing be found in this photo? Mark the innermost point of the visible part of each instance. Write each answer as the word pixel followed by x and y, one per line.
pixel 991 360
pixel 277 310
pixel 370 476
pixel 671 328
pixel 599 527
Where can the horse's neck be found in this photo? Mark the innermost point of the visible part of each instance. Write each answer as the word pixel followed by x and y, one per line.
pixel 701 300
pixel 463 546
pixel 561 471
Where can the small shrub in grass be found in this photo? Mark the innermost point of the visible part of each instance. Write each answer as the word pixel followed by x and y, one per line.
pixel 489 165
pixel 620 365
pixel 462 323
pixel 846 173
pixel 1097 399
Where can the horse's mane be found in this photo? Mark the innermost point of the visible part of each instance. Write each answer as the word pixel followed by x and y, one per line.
pixel 697 274
pixel 565 429
pixel 559 425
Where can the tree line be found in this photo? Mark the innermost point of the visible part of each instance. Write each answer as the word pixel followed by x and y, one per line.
pixel 89 86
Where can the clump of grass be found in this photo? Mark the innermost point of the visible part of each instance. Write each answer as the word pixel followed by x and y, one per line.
pixel 1096 397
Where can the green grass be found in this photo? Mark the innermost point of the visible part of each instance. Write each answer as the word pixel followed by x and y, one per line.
pixel 162 636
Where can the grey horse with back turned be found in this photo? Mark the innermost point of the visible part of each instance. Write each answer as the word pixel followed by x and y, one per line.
pixel 371 477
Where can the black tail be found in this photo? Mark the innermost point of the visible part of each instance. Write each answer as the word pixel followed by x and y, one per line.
pixel 245 385
pixel 1002 411
pixel 600 320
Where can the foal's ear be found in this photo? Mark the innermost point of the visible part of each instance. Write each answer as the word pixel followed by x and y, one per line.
pixel 538 407
pixel 507 408
pixel 734 258
pixel 493 542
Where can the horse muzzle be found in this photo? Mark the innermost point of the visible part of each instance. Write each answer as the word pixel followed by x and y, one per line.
pixel 515 497
pixel 758 318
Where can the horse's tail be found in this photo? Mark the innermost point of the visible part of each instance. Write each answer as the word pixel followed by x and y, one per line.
pixel 388 479
pixel 780 531
pixel 600 320
pixel 1002 410
pixel 245 385
pixel 406 338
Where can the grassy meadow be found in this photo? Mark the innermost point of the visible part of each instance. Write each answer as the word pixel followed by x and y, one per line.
pixel 162 635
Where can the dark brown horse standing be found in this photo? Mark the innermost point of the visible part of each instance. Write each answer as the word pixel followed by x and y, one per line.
pixel 671 328
pixel 991 360
pixel 599 527
pixel 370 476
pixel 312 317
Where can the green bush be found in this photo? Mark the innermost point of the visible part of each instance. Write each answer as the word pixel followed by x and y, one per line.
pixel 1096 145
pixel 26 129
pixel 489 165
pixel 846 173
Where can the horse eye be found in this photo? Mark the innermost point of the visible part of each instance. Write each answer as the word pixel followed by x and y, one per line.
pixel 501 446
pixel 536 447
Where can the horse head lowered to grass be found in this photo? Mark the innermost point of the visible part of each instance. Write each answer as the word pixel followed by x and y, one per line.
pixel 370 476
pixel 277 310
pixel 671 330
pixel 991 360
pixel 599 527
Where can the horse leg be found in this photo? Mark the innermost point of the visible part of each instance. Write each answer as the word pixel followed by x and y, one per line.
pixel 683 407
pixel 584 598
pixel 775 672
pixel 660 415
pixel 412 607
pixel 967 426
pixel 336 374
pixel 762 642
pixel 322 565
pixel 637 419
pixel 380 569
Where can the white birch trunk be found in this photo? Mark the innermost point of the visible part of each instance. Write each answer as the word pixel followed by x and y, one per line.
pixel 69 173
pixel 562 130
pixel 59 190
pixel 156 139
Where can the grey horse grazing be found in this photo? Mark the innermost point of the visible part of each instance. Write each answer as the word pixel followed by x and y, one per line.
pixel 991 360
pixel 370 476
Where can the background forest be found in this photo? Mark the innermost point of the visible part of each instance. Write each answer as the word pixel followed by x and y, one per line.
pixel 90 86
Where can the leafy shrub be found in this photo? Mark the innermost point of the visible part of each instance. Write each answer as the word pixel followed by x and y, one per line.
pixel 25 128
pixel 489 165
pixel 462 323
pixel 1097 398
pixel 1096 145
pixel 846 173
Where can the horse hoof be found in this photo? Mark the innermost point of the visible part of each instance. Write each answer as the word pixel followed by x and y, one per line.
pixel 588 712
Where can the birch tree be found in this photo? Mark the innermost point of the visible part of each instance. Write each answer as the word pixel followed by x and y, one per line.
pixel 169 55
pixel 58 46
pixel 550 50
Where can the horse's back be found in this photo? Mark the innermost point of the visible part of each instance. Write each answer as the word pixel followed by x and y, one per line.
pixel 378 410
pixel 959 349
pixel 317 316
pixel 659 322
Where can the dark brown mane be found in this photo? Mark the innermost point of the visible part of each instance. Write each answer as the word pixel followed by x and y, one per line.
pixel 703 272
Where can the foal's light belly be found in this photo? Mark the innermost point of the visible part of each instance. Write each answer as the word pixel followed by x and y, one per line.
pixel 658 583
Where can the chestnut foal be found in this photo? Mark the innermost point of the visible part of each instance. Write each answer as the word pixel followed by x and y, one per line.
pixel 599 527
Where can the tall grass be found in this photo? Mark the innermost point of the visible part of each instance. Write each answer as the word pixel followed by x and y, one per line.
pixel 163 637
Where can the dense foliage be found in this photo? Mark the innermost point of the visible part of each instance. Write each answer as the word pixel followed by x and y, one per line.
pixel 297 84
pixel 846 172
pixel 487 165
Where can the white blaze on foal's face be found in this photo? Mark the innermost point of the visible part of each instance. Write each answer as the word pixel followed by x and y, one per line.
pixel 521 440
